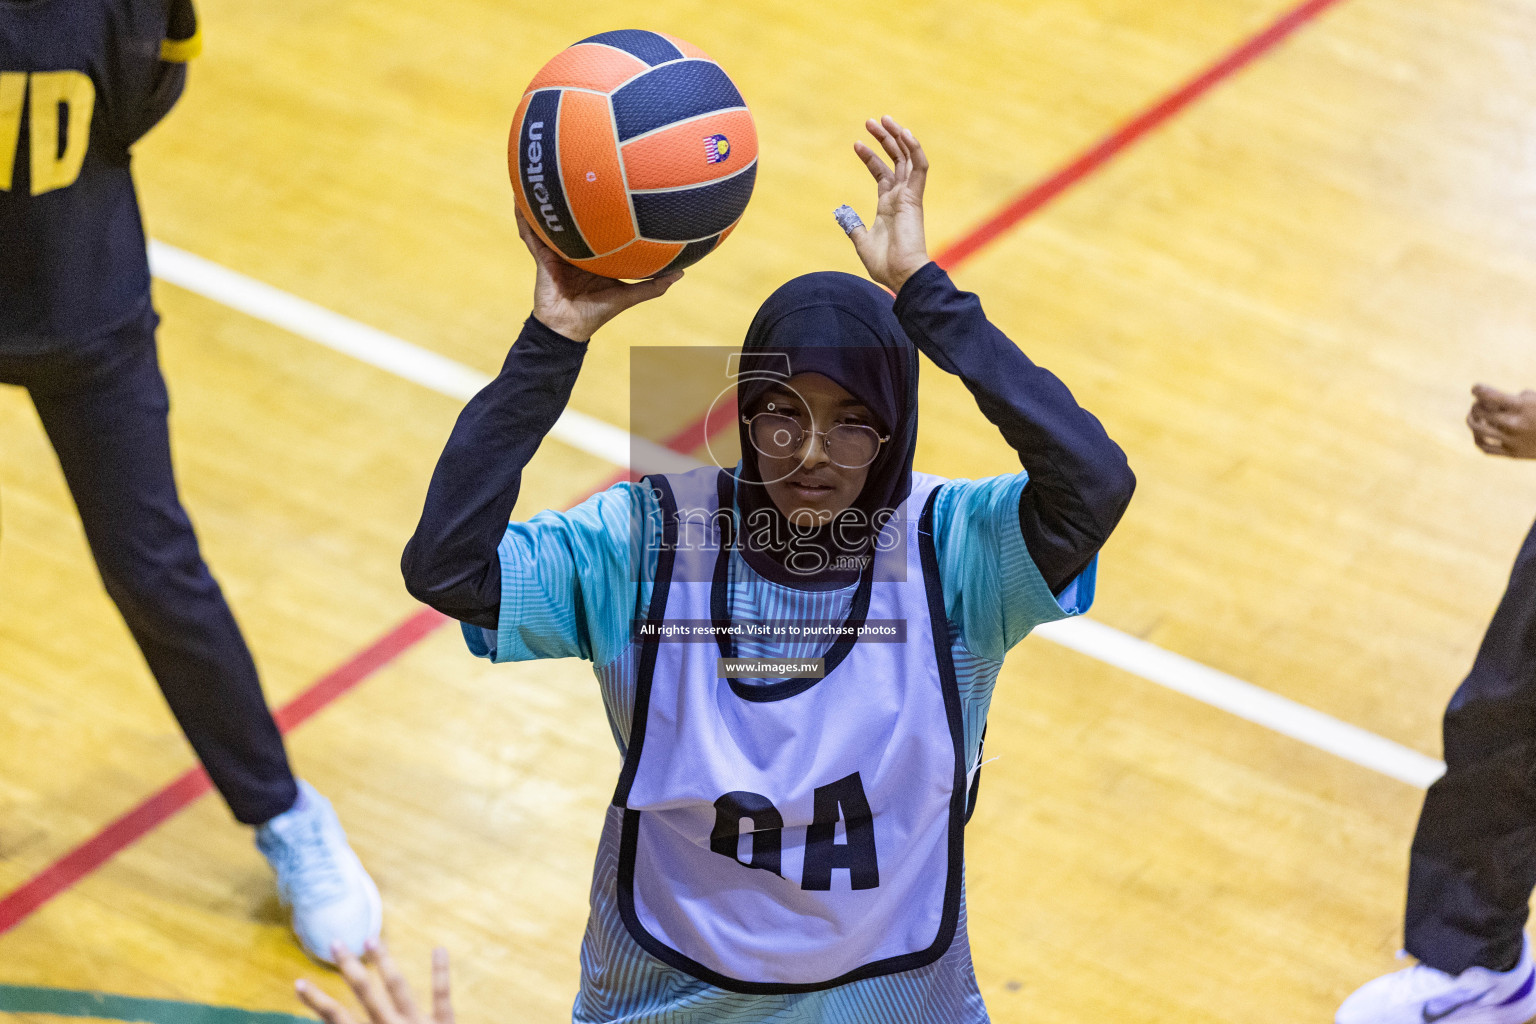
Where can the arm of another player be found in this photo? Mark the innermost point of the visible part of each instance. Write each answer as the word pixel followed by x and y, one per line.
pixel 1502 423
pixel 387 998
pixel 183 41
pixel 1079 481
pixel 451 561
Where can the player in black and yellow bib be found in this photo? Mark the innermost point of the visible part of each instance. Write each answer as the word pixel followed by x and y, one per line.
pixel 80 82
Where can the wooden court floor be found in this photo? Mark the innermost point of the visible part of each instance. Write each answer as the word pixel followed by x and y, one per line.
pixel 1276 302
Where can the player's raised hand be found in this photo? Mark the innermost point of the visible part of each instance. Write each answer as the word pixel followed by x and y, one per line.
pixel 574 303
pixel 894 247
pixel 386 998
pixel 1503 423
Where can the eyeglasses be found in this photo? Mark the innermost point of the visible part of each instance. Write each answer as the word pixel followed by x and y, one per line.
pixel 849 445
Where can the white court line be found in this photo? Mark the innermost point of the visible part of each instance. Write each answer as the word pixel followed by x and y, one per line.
pixel 387 352
pixel 1245 700
pixel 614 444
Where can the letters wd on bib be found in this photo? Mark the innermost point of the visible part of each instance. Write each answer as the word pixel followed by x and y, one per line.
pixel 92 77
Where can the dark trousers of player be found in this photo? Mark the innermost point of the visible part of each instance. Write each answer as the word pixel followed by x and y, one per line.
pixel 105 406
pixel 1473 864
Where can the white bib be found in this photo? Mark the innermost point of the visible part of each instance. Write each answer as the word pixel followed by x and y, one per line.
pixel 805 834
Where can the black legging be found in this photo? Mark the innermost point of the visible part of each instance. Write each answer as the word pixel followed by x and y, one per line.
pixel 1473 864
pixel 104 406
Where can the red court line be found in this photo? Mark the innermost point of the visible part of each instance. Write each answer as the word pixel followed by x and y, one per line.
pixel 22 902
pixel 1107 148
pixel 193 783
pixel 94 852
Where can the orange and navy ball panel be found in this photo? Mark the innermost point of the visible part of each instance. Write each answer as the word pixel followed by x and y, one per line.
pixel 671 93
pixel 687 214
pixel 585 66
pixel 593 178
pixel 644 258
pixel 651 47
pixel 696 93
pixel 693 252
pixel 692 153
pixel 639 259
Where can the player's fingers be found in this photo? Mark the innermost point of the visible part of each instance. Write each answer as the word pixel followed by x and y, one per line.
pixel 525 232
pixel 542 254
pixel 877 168
pixel 1480 425
pixel 1489 405
pixel 644 291
pixel 848 219
pixel 394 982
pixel 857 233
pixel 919 156
pixel 1493 398
pixel 919 176
pixel 1493 428
pixel 1477 419
pixel 369 991
pixel 548 259
pixel 1487 416
pixel 1484 436
pixel 861 245
pixel 442 1000
pixel 329 1009
pixel 1487 442
pixel 887 142
pixel 899 135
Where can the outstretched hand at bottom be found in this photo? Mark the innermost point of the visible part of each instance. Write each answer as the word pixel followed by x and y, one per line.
pixel 387 997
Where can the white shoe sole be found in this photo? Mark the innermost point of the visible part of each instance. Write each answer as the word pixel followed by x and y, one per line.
pixel 1520 1011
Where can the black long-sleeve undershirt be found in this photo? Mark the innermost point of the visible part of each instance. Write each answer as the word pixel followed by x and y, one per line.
pixel 451 562
pixel 1079 482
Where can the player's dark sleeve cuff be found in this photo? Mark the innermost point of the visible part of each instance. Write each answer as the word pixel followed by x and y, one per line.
pixel 183 35
pixel 928 280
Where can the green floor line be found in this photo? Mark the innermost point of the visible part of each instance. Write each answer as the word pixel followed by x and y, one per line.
pixel 64 1002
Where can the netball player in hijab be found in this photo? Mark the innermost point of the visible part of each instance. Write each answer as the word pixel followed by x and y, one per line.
pixel 784 843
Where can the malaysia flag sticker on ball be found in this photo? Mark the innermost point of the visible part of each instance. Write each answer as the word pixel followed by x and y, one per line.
pixel 606 159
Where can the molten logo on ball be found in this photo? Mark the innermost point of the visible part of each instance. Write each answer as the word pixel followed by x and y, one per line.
pixel 535 177
pixel 717 148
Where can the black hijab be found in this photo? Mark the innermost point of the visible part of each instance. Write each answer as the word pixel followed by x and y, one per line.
pixel 844 328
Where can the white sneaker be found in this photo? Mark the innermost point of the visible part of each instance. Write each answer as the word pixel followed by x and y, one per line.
pixel 319 878
pixel 1423 995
